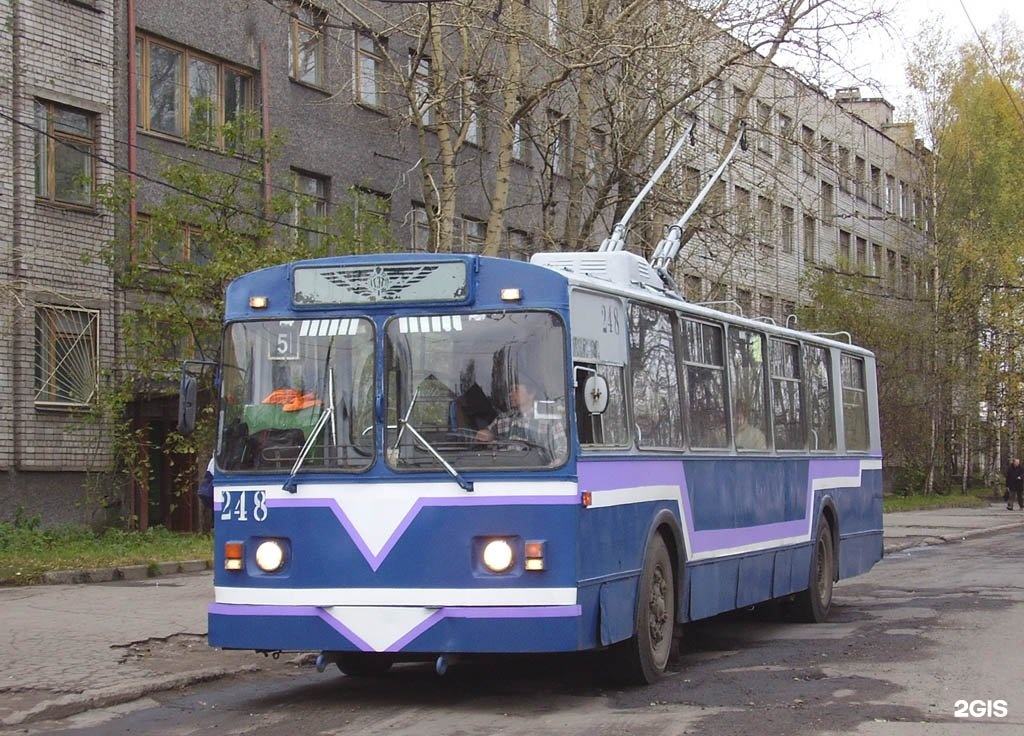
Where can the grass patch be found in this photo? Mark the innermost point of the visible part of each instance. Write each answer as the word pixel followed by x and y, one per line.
pixel 972 499
pixel 27 551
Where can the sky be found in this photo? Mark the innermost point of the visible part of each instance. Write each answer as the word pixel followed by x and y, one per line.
pixel 884 57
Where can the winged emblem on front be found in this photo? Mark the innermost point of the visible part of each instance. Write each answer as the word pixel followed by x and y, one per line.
pixel 379 283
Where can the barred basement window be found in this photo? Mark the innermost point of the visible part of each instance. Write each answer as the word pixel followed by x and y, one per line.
pixel 66 356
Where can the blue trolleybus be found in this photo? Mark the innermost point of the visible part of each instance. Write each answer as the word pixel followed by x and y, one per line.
pixel 427 455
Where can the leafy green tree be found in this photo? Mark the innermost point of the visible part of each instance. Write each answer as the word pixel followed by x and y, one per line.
pixel 970 105
pixel 199 221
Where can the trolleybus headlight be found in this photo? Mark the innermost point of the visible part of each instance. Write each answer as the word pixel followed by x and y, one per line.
pixel 498 556
pixel 269 556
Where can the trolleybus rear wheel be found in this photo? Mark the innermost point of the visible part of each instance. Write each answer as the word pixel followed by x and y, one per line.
pixel 813 605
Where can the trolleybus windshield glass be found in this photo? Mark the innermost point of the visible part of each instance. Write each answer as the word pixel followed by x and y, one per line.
pixel 480 390
pixel 280 378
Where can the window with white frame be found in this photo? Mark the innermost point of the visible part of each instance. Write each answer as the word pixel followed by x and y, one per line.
pixel 310 207
pixel 519 137
pixel 66 356
pixel 65 147
pixel 183 93
pixel 306 44
pixel 368 67
pixel 597 156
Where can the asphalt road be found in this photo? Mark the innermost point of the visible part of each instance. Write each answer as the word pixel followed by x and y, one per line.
pixel 930 642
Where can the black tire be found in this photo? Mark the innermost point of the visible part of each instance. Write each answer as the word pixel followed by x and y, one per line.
pixel 641 659
pixel 363 664
pixel 813 605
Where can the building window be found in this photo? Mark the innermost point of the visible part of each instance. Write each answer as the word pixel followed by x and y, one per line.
pixel 66 356
pixel 787 230
pixel 597 156
pixel 809 238
pixel 828 202
pixel 472 102
pixel 844 169
pixel 162 244
pixel 559 125
pixel 862 255
pixel 369 66
pixel 691 288
pixel 860 177
pixel 765 220
pixel 310 207
pixel 890 194
pixel 876 186
pixel 785 139
pixel 517 245
pixel 422 88
pixel 807 151
pixel 519 136
pixel 372 214
pixel 421 229
pixel 181 93
pixel 741 199
pixel 845 254
pixel 764 123
pixel 306 44
pixel 65 144
pixel 552 22
pixel 468 236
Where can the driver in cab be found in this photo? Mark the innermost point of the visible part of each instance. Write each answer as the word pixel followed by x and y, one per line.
pixel 520 423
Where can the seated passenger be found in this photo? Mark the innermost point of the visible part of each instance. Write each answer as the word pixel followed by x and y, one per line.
pixel 748 436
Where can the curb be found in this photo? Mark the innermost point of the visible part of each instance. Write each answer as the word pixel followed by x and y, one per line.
pixel 128 572
pixel 75 703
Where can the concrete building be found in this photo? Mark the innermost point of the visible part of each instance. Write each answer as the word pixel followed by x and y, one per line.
pixel 100 86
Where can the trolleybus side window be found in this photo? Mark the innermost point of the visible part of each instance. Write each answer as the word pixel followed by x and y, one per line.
pixel 855 405
pixel 787 395
pixel 652 360
pixel 746 374
pixel 820 413
pixel 704 365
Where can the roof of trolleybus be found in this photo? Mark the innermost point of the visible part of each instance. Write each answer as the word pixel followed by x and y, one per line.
pixel 542 283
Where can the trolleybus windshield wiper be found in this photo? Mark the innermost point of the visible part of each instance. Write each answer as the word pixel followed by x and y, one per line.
pixel 291 485
pixel 404 424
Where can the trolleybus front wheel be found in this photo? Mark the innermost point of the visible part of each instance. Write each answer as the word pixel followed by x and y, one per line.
pixel 642 658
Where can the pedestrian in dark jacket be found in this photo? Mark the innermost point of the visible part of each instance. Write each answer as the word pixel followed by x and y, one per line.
pixel 1015 484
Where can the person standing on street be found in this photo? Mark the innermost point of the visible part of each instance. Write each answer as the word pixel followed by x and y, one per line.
pixel 1015 484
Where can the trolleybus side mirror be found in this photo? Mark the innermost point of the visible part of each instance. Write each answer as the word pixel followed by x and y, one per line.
pixel 187 404
pixel 595 394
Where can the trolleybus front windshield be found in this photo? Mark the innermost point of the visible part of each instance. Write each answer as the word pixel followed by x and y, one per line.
pixel 294 386
pixel 474 391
